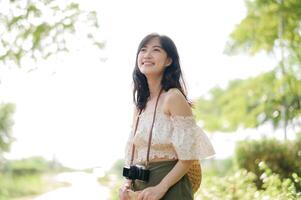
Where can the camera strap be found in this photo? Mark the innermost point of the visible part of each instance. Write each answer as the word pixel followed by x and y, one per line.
pixel 150 132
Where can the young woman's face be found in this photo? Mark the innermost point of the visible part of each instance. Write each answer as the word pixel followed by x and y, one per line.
pixel 152 58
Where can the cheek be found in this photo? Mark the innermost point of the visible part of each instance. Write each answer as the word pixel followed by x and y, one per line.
pixel 139 59
pixel 162 60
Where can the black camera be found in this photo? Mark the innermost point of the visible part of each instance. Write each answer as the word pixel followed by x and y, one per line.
pixel 136 172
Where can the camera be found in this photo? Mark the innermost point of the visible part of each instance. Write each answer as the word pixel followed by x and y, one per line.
pixel 136 172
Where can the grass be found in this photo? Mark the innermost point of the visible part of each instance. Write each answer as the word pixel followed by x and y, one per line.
pixel 26 186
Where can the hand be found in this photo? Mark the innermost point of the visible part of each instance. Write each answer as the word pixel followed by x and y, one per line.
pixel 123 194
pixel 152 193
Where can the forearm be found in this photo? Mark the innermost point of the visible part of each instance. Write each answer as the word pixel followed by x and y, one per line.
pixel 178 171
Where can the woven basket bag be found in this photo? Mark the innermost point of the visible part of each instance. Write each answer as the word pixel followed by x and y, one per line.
pixel 195 175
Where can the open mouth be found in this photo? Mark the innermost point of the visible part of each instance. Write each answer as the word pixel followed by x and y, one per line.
pixel 148 63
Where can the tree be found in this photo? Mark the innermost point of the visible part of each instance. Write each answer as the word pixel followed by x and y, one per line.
pixel 41 28
pixel 272 26
pixel 37 29
pixel 6 123
pixel 246 103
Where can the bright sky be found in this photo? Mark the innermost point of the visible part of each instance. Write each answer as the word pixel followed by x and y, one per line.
pixel 79 109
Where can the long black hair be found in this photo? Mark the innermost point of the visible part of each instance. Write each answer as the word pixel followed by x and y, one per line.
pixel 172 75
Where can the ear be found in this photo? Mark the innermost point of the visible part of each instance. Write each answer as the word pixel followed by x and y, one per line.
pixel 168 61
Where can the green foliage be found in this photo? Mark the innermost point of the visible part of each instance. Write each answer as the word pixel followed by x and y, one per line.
pixel 115 190
pixel 25 177
pixel 235 186
pixel 39 29
pixel 114 179
pixel 6 111
pixel 249 103
pixel 217 167
pixel 117 167
pixel 240 185
pixel 273 27
pixel 259 30
pixel 284 158
pixel 115 172
pixel 31 165
pixel 17 186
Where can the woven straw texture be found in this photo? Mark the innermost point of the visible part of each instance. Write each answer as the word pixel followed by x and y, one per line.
pixel 195 175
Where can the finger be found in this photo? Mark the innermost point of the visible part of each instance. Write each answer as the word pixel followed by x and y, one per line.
pixel 147 195
pixel 140 195
pixel 123 195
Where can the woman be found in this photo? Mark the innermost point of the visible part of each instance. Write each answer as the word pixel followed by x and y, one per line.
pixel 176 140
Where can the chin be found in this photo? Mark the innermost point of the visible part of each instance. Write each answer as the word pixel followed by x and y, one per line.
pixel 149 71
pixel 145 70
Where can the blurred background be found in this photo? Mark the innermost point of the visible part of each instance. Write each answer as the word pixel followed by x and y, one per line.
pixel 66 93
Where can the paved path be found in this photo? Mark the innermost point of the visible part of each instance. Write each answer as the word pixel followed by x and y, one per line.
pixel 84 186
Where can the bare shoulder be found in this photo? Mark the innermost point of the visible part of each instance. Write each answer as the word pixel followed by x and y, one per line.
pixel 174 94
pixel 176 103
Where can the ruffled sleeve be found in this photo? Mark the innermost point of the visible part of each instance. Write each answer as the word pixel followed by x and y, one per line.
pixel 189 140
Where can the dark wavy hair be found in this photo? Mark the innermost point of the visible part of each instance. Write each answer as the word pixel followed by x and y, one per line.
pixel 172 75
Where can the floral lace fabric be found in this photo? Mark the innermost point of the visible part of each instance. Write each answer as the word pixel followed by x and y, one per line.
pixel 174 137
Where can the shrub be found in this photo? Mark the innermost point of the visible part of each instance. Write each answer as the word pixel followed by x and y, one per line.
pixel 240 185
pixel 283 157
pixel 16 186
pixel 26 166
pixel 25 177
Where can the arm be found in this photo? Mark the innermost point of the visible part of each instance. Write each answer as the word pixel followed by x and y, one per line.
pixel 176 104
pixel 179 170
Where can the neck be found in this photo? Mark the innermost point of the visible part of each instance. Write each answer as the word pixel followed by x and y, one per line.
pixel 154 85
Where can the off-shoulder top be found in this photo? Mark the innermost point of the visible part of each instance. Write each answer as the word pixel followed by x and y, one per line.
pixel 174 137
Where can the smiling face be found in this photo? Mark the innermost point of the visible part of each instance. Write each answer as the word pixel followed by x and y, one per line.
pixel 156 58
pixel 152 58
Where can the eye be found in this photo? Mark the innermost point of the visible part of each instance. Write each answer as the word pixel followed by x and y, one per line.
pixel 143 49
pixel 157 49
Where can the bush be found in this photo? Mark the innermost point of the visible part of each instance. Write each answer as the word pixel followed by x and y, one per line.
pixel 114 179
pixel 31 165
pixel 16 186
pixel 240 185
pixel 283 157
pixel 217 167
pixel 25 177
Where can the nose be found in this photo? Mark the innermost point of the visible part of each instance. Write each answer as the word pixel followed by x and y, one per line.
pixel 147 54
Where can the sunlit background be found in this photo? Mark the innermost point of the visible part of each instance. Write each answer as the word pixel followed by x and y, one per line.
pixel 76 107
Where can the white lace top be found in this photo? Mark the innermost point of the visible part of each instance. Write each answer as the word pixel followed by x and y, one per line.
pixel 174 137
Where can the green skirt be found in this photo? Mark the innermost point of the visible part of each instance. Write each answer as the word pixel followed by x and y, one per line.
pixel 158 170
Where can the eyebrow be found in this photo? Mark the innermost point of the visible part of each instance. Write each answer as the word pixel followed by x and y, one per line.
pixel 154 46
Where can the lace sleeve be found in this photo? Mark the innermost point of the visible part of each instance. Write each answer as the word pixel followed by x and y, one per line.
pixel 189 140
